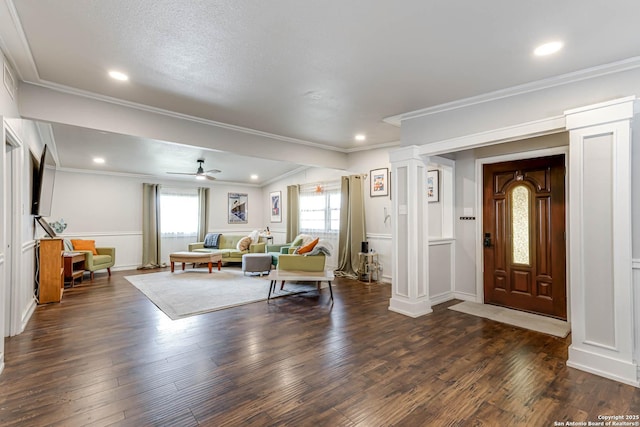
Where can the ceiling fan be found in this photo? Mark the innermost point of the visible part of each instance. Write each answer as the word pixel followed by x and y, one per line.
pixel 200 173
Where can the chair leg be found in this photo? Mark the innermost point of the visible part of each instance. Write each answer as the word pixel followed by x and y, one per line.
pixel 91 273
pixel 109 271
pixel 282 285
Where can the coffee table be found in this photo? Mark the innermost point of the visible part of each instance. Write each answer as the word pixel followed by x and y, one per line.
pixel 196 257
pixel 300 276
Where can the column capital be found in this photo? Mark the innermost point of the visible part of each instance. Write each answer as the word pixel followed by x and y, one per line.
pixel 603 112
pixel 411 152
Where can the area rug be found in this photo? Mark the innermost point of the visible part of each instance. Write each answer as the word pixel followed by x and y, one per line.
pixel 190 292
pixel 534 322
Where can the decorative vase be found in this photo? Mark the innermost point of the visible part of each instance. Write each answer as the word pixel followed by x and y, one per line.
pixel 59 226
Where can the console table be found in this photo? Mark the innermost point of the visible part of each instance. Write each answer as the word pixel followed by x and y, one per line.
pixel 51 277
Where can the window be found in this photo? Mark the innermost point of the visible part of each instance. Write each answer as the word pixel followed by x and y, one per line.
pixel 320 216
pixel 320 211
pixel 178 212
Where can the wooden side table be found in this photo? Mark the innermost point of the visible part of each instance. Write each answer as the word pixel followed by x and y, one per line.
pixel 73 266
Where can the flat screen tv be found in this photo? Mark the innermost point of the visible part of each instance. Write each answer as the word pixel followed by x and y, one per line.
pixel 43 180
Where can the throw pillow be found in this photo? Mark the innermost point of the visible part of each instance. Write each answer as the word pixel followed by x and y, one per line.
pixel 84 245
pixel 302 240
pixel 309 247
pixel 244 243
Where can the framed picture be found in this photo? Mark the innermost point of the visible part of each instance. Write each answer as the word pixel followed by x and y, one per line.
pixel 433 186
pixel 379 182
pixel 276 212
pixel 238 208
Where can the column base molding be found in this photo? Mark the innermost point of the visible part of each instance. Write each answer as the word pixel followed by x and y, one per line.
pixel 410 308
pixel 604 366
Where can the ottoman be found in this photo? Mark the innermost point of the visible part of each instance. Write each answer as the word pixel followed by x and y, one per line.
pixel 195 257
pixel 256 263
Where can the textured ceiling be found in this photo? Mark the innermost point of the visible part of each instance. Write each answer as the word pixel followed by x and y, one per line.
pixel 316 71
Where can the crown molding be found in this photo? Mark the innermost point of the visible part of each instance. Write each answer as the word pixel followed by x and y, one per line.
pixel 14 44
pixel 162 178
pixel 285 175
pixel 45 133
pixel 108 173
pixel 372 147
pixel 564 79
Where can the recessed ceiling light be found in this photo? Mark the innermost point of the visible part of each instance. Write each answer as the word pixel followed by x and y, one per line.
pixel 254 176
pixel 360 137
pixel 547 48
pixel 98 160
pixel 117 75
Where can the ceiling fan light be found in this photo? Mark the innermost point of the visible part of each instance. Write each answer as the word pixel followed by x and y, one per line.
pixel 201 177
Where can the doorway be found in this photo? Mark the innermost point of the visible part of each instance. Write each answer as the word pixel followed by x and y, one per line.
pixel 523 235
pixel 8 227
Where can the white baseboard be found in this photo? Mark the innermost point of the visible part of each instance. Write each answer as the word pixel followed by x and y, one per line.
pixel 465 296
pixel 410 308
pixel 27 315
pixel 439 299
pixel 607 367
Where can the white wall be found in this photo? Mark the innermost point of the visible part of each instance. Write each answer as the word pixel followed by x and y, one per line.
pixel 465 230
pixel 378 230
pixel 108 209
pixel 360 162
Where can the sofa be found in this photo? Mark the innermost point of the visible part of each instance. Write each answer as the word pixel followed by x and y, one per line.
pixel 227 246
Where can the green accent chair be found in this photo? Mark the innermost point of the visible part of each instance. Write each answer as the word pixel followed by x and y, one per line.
pixel 295 262
pixel 105 259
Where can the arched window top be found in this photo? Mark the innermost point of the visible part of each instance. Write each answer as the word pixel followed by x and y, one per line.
pixel 520 229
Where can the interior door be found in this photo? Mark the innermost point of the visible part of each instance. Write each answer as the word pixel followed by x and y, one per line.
pixel 524 235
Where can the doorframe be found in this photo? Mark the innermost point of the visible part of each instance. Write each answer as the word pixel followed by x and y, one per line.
pixel 524 155
pixel 14 220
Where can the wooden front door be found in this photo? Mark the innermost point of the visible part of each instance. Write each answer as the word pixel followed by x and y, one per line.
pixel 524 235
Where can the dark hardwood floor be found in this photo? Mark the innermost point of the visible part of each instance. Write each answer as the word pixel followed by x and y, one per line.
pixel 107 356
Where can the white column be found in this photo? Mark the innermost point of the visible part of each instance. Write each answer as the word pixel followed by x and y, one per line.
pixel 600 273
pixel 410 258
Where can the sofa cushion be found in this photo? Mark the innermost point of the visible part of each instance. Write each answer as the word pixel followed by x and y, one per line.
pixel 101 259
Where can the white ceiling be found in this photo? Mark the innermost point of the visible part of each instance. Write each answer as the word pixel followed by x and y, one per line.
pixel 318 72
